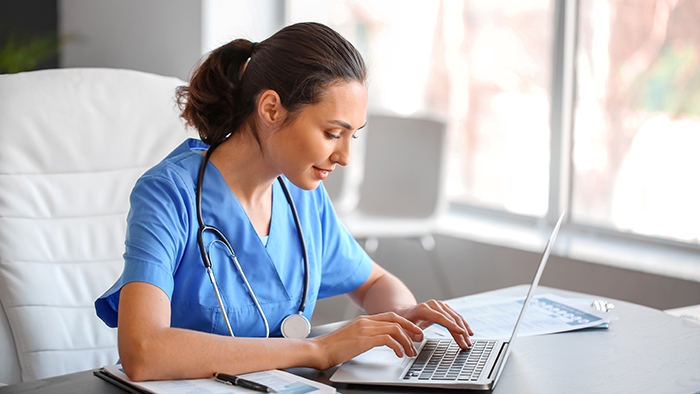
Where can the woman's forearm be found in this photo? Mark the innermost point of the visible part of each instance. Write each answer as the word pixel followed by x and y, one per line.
pixel 173 353
pixel 382 292
pixel 152 350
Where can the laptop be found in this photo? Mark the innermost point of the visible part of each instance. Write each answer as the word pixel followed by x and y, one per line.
pixel 440 362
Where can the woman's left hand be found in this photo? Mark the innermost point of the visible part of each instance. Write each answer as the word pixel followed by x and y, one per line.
pixel 430 312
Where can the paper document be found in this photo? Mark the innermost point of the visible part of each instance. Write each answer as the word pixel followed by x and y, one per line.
pixel 547 314
pixel 282 381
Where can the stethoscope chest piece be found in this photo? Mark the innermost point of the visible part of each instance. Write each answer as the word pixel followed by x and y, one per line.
pixel 296 326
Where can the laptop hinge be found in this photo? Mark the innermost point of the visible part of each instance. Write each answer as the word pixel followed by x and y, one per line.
pixel 497 365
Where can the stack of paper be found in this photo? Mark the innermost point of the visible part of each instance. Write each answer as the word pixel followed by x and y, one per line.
pixel 547 314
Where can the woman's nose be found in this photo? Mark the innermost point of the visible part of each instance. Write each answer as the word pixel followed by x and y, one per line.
pixel 341 155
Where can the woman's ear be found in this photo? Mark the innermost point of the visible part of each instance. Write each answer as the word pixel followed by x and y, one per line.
pixel 270 109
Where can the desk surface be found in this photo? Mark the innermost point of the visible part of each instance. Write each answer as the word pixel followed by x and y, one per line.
pixel 645 350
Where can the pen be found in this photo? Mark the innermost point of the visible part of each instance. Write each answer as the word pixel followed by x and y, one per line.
pixel 240 382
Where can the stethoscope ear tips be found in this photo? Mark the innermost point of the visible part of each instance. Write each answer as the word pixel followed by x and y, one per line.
pixel 296 326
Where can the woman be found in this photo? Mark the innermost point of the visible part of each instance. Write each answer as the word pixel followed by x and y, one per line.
pixel 275 118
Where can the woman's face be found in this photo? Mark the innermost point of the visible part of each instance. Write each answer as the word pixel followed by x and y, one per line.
pixel 308 149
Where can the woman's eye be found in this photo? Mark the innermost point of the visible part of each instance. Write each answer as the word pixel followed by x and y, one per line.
pixel 355 136
pixel 332 136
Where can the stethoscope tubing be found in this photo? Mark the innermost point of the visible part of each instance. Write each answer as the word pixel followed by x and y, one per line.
pixel 221 238
pixel 304 252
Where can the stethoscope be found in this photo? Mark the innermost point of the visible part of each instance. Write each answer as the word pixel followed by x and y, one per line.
pixel 293 326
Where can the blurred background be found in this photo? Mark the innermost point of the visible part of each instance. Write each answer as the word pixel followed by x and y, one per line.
pixel 592 106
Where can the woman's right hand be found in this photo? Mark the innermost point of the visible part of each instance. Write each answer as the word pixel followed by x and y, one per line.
pixel 364 333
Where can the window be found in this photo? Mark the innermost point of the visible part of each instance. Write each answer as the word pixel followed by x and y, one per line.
pixel 636 131
pixel 592 105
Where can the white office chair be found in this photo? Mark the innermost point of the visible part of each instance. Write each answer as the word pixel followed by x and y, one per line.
pixel 72 144
pixel 402 193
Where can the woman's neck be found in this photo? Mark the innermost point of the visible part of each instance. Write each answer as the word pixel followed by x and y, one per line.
pixel 248 175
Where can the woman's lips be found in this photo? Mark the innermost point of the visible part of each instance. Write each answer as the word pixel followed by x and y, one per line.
pixel 321 173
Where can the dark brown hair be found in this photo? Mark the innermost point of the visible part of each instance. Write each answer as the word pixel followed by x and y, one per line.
pixel 298 62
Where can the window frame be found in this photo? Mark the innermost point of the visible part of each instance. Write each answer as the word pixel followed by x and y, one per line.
pixel 563 100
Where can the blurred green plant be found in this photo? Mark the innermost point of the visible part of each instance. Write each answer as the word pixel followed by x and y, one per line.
pixel 672 83
pixel 17 55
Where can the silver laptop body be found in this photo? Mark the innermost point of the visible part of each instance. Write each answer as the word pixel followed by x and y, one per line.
pixel 380 366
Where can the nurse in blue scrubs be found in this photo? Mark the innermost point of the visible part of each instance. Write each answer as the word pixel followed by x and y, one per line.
pixel 232 239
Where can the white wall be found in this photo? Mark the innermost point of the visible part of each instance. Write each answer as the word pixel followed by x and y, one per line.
pixel 165 37
pixel 225 20
pixel 158 36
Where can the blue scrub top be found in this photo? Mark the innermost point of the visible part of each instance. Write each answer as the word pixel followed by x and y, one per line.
pixel 162 249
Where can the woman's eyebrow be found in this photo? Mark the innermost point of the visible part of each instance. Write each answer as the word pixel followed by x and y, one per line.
pixel 345 124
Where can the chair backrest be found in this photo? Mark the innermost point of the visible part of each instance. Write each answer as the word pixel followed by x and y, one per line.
pixel 403 167
pixel 72 144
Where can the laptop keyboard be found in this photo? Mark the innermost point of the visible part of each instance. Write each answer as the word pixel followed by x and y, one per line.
pixel 443 359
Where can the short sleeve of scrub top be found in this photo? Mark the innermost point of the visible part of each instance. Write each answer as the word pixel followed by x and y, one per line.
pixel 162 249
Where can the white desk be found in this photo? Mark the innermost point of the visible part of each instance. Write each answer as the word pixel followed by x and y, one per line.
pixel 644 351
